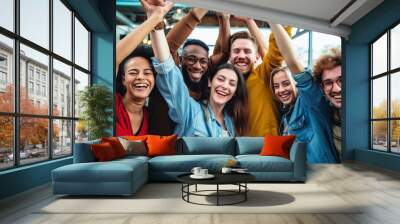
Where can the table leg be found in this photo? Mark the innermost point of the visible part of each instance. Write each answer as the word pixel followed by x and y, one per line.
pixel 188 190
pixel 245 191
pixel 217 194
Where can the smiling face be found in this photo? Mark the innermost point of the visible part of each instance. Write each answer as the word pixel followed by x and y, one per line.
pixel 195 62
pixel 243 55
pixel 283 88
pixel 223 86
pixel 331 81
pixel 138 78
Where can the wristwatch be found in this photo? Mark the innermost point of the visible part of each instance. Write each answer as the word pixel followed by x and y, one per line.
pixel 160 26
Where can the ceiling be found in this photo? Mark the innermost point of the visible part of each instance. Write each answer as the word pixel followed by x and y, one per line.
pixel 327 16
pixel 131 12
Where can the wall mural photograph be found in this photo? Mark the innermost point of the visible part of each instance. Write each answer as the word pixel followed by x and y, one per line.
pixel 188 111
pixel 194 72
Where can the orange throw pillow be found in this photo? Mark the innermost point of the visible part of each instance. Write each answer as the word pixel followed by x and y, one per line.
pixel 161 145
pixel 277 145
pixel 103 152
pixel 116 145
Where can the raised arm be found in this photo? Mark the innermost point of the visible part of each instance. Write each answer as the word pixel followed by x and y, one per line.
pixel 286 48
pixel 170 83
pixel 255 32
pixel 182 29
pixel 307 88
pixel 221 49
pixel 135 37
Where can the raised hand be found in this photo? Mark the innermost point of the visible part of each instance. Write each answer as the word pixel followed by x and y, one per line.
pixel 156 8
pixel 242 19
pixel 223 15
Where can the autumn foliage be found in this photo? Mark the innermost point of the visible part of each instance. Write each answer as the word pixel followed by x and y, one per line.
pixel 380 127
pixel 33 131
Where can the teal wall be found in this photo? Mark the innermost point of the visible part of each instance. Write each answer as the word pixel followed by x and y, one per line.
pixel 24 178
pixel 99 16
pixel 356 91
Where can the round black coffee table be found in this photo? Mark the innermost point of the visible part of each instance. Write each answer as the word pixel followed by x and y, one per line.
pixel 238 179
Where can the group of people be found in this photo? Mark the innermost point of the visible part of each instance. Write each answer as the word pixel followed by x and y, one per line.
pixel 242 89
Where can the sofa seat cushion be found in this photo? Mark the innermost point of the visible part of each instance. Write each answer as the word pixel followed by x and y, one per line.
pixel 257 163
pixel 112 171
pixel 133 158
pixel 185 163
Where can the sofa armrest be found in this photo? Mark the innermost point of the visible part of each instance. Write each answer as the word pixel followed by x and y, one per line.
pixel 83 152
pixel 298 154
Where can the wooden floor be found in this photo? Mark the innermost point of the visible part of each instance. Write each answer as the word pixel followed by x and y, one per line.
pixel 377 188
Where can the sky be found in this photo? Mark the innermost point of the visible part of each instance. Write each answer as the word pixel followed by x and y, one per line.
pixel 35 27
pixel 379 60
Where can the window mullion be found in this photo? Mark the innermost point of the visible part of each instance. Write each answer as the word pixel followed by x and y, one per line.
pixel 73 81
pixel 389 113
pixel 50 81
pixel 16 83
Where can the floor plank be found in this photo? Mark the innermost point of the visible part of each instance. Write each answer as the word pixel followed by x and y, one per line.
pixel 376 190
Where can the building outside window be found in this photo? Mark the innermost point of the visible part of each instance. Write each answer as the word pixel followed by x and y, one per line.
pixel 55 128
pixel 30 72
pixel 30 87
pixel 3 78
pixel 37 74
pixel 43 90
pixel 38 89
pixel 3 72
pixel 44 77
pixel 385 94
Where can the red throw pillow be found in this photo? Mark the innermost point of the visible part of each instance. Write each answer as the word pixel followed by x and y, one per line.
pixel 103 152
pixel 116 145
pixel 277 145
pixel 161 145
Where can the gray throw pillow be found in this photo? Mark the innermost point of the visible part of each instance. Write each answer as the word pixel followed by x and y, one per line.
pixel 136 147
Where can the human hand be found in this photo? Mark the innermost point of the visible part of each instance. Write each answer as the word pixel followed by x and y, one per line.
pixel 242 19
pixel 223 15
pixel 156 7
pixel 157 2
pixel 199 12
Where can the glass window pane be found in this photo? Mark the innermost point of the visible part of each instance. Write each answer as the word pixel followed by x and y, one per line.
pixel 33 139
pixel 81 131
pixel 35 21
pixel 395 47
pixel 34 96
pixel 395 95
pixel 323 43
pixel 62 29
pixel 62 89
pixel 81 45
pixel 379 55
pixel 379 98
pixel 6 142
pixel 301 44
pixel 81 81
pixel 379 135
pixel 395 136
pixel 7 14
pixel 6 74
pixel 62 138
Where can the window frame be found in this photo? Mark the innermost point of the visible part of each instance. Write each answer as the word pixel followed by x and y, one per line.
pixel 16 115
pixel 388 74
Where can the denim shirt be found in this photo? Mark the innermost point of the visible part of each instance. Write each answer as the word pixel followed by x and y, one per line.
pixel 192 117
pixel 309 120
